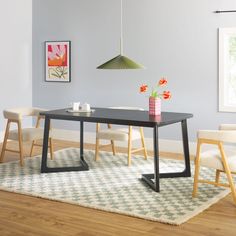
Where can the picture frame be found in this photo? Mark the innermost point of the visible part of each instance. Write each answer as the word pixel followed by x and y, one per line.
pixel 227 69
pixel 58 61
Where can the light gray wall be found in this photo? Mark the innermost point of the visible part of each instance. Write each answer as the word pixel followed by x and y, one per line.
pixel 176 39
pixel 15 55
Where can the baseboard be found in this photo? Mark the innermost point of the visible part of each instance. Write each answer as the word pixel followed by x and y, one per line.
pixel 165 145
pixel 172 146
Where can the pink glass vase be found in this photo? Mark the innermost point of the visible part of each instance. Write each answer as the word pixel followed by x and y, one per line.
pixel 154 106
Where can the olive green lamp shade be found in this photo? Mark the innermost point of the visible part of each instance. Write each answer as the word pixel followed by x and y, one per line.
pixel 120 62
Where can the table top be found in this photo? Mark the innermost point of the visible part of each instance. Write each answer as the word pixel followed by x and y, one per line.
pixel 119 116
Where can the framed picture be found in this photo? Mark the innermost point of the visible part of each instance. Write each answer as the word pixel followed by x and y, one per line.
pixel 227 69
pixel 57 59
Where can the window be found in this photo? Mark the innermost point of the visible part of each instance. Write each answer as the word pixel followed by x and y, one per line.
pixel 227 69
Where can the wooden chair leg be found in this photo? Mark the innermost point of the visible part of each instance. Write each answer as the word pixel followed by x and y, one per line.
pixel 228 172
pixel 50 140
pixel 197 168
pixel 5 141
pixel 33 142
pixel 97 150
pixel 51 148
pixel 129 145
pixel 217 177
pixel 32 148
pixel 97 143
pixel 113 147
pixel 112 142
pixel 20 144
pixel 143 143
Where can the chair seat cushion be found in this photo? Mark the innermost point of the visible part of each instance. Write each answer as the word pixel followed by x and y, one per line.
pixel 118 134
pixel 28 134
pixel 212 159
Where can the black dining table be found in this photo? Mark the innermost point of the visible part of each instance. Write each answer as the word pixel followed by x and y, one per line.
pixel 120 117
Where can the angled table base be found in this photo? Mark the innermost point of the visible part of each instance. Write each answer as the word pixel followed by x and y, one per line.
pixel 45 169
pixel 83 166
pixel 153 180
pixel 148 178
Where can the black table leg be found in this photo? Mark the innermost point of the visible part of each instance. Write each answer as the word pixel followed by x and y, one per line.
pixel 45 169
pixel 187 170
pixel 45 145
pixel 148 178
pixel 82 144
pixel 156 158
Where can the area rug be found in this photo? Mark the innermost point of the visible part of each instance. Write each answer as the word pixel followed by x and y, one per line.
pixel 111 185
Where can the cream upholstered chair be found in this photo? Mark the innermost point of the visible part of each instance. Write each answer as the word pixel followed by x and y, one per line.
pixel 219 158
pixel 123 134
pixel 23 134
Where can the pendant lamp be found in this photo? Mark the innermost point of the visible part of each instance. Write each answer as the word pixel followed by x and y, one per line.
pixel 121 62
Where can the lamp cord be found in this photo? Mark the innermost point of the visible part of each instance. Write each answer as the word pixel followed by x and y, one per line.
pixel 121 27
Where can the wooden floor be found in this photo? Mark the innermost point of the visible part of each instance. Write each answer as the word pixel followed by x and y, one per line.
pixel 24 215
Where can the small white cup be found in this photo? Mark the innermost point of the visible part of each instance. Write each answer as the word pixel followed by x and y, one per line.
pixel 75 106
pixel 86 107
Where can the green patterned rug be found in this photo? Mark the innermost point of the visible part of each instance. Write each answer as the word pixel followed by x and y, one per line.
pixel 112 186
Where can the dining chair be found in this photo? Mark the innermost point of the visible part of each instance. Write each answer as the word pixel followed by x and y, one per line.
pixel 20 134
pixel 120 134
pixel 222 159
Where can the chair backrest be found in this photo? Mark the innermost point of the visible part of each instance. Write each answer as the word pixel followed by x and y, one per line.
pixel 128 108
pixel 18 113
pixel 228 136
pixel 227 127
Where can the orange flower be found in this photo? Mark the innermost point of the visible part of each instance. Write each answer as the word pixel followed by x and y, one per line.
pixel 162 81
pixel 166 95
pixel 143 88
pixel 154 91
